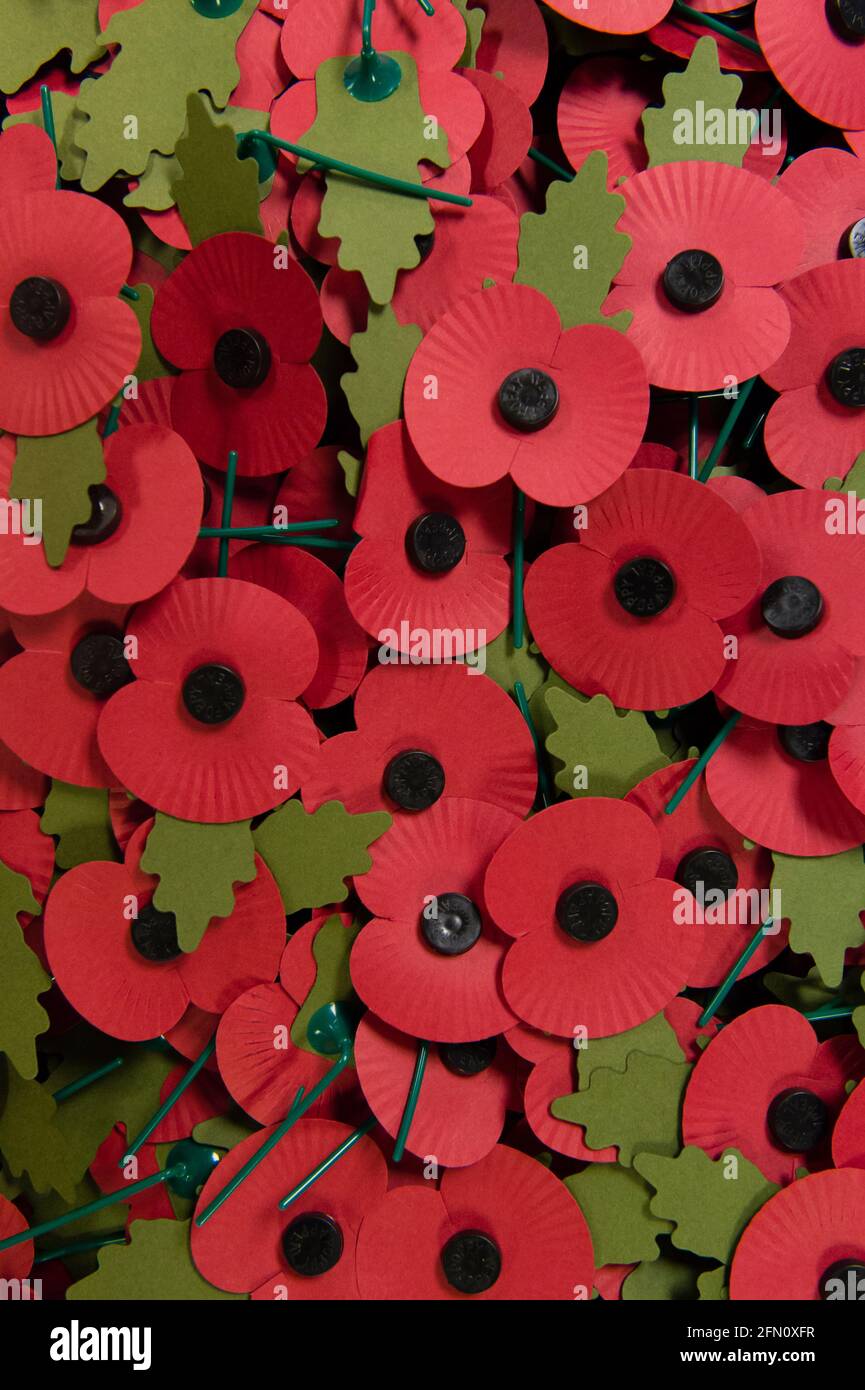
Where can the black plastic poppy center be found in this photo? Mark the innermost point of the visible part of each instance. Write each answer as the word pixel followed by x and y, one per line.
pixel 39 308
pixel 242 358
pixel 472 1262
pixel 468 1058
pixel 694 281
pixel 851 1276
pixel 713 868
pixel 436 542
pixel 98 664
pixel 105 517
pixel 154 935
pixel 528 399
pixel 792 606
pixel 797 1120
pixel 414 780
pixel 213 694
pixel 848 17
pixel 587 911
pixel 451 925
pixel 853 241
pixel 425 241
pixel 807 743
pixel 644 586
pixel 846 378
pixel 312 1244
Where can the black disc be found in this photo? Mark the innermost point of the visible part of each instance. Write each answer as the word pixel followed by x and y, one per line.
pixel 414 780
pixel 154 934
pixel 712 867
pixel 797 1120
pixel 471 1261
pixel 792 606
pixel 850 1275
pixel 436 542
pixel 587 911
pixel 644 587
pixel 213 694
pixel 694 281
pixel 528 399
pixel 849 17
pixel 854 242
pixel 241 358
pixel 740 17
pixel 468 1058
pixel 807 743
pixel 98 664
pixel 456 926
pixel 312 1244
pixel 847 378
pixel 105 517
pixel 425 241
pixel 39 308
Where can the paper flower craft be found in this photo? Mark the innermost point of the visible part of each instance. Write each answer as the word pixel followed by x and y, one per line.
pixel 816 53
pixel 828 188
pixel 614 16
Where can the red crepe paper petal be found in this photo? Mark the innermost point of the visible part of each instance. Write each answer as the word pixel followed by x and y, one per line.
pixel 828 188
pixel 614 16
pixel 601 108
pixel 297 967
pixel 459 106
pixel 786 1249
pixel 314 490
pixel 776 801
pixel 543 1239
pixel 21 786
pixel 848 1137
pixel 847 761
pixel 50 721
pixel 532 1045
pixel 263 71
pixel 799 417
pixel 107 1171
pixel 331 28
pixel 25 850
pixel 15 1263
pixel 242 1249
pixel 460 433
pixel 28 163
pixel 203 1100
pixel 820 69
pixel 683 1016
pixel 680 36
pixel 514 43
pixel 252 505
pixel 697 825
pixel 458 1118
pixel 466 721
pixel 506 135
pixel 190 1036
pixel 825 309
pixel 152 405
pixel 553 1077
pixel 126 815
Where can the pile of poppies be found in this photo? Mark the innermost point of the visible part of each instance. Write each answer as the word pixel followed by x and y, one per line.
pixel 432 676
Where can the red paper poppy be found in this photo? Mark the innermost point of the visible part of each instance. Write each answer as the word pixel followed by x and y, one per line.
pixel 699 847
pixel 315 490
pixel 116 959
pixel 66 340
pixel 699 280
pixel 848 1137
pixel 828 188
pixel 432 555
pixel 52 694
pixel 799 639
pixel 514 44
pixel 554 1076
pixel 16 1261
pixel 579 399
pixel 463 1098
pixel 28 163
pixel 314 591
pixel 194 1030
pixel 504 139
pixel 143 525
pixel 504 1229
pixel 577 886
pixel 25 850
pixel 613 16
pixel 109 1174
pixel 479 243
pixel 425 733
pixel 322 29
pixel 847 760
pixel 816 58
pixel 242 324
pixel 780 1112
pixel 661 559
pixel 775 785
pixel 814 431
pixel 21 786
pixel 680 36
pixel 803 1238
pixel 252 505
pixel 430 962
pixel 307 1252
pixel 209 729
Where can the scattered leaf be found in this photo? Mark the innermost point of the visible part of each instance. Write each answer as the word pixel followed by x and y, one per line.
pixel 854 481
pixel 709 1208
pixel 669 1279
pixel 615 1203
pixel 505 664
pixel 331 948
pixel 682 126
pixel 654 1038
pixel 603 752
pixel 80 818
pixel 150 365
pixel 712 1285
pixel 155 1266
pixel 22 979
pixel 312 855
pixel 127 1096
pixel 352 468
pixel 34 34
pixel 382 353
pixel 636 1109
pixel 224 1131
pixel 215 191
pixel 823 898
pixel 154 190
pixel 197 866
pixel 31 1143
pixel 474 20
pixel 59 469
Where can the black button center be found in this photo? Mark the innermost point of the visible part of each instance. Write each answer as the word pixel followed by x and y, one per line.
pixel 39 308
pixel 154 935
pixel 797 1120
pixel 98 664
pixel 694 281
pixel 528 399
pixel 792 606
pixel 807 743
pixel 455 926
pixel 853 243
pixel 850 1274
pixel 644 587
pixel 468 1058
pixel 587 911
pixel 213 694
pixel 713 868
pixel 847 378
pixel 414 780
pixel 425 241
pixel 242 358
pixel 436 542
pixel 105 517
pixel 312 1244
pixel 848 17
pixel 471 1261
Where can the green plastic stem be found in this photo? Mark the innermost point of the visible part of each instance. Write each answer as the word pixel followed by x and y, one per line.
pixel 227 504
pixel 111 1199
pixel 750 438
pixel 551 164
pixel 321 542
pixel 411 1101
pixel 48 123
pixel 170 1101
pixel 694 436
pixel 519 566
pixel 247 532
pixel 710 22
pixel 129 293
pixel 83 1081
pixel 727 429
pixel 326 161
pixel 543 779
pixel 828 1011
pixel 721 993
pixel 79 1247
pixel 112 423
pixel 701 763
pixel 326 1163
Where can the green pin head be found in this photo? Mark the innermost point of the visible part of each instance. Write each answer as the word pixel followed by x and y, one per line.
pixel 331 1029
pixel 190 1165
pixel 216 9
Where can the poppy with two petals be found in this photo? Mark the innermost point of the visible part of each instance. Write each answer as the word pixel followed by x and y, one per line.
pixel 828 188
pixel 816 53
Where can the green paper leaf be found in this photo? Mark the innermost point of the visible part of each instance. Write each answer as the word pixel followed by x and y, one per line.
pixel 710 1210
pixel 46 1206
pixel 215 191
pixel 31 1143
pixel 33 34
pixel 224 1131
pixel 154 190
pixel 669 1279
pixel 474 21
pixel 331 948
pixel 811 991
pixel 311 856
pixel 59 469
pixel 127 1096
pixel 352 468
pixel 615 1203
pixel 572 251
pixel 165 51
pixel 823 898
pixel 150 365
pixel 505 664
pixel 197 867
pixel 859 1018
pixel 601 752
pixel 382 354
pixel 68 120
pixel 80 817
pixel 636 1109
pixel 654 1038
pixel 712 1285
pixel 853 482
pixel 699 105
pixel 22 979
pixel 156 1266
pixel 375 226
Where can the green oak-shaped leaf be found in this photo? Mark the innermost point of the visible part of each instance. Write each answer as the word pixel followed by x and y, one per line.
pixel 155 1266
pixel 35 33
pixel 224 1131
pixel 710 1201
pixel 312 855
pixel 80 819
pixel 859 1018
pixel 811 991
pixel 712 1285
pixel 474 20
pixel 699 106
pixel 59 469
pixel 150 364
pixel 615 1203
pixel 22 979
pixel 31 1143
pixel 505 664
pixel 601 752
pixel 352 469
pixel 197 866
pixel 655 1038
pixel 382 353
pixel 823 898
pixel 853 482
pixel 672 1278
pixel 127 1096
pixel 636 1109
pixel 331 949
pixel 215 190
pixel 154 189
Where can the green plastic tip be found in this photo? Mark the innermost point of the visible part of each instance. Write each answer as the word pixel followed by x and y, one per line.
pixel 216 9
pixel 372 77
pixel 331 1029
pixel 189 1166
